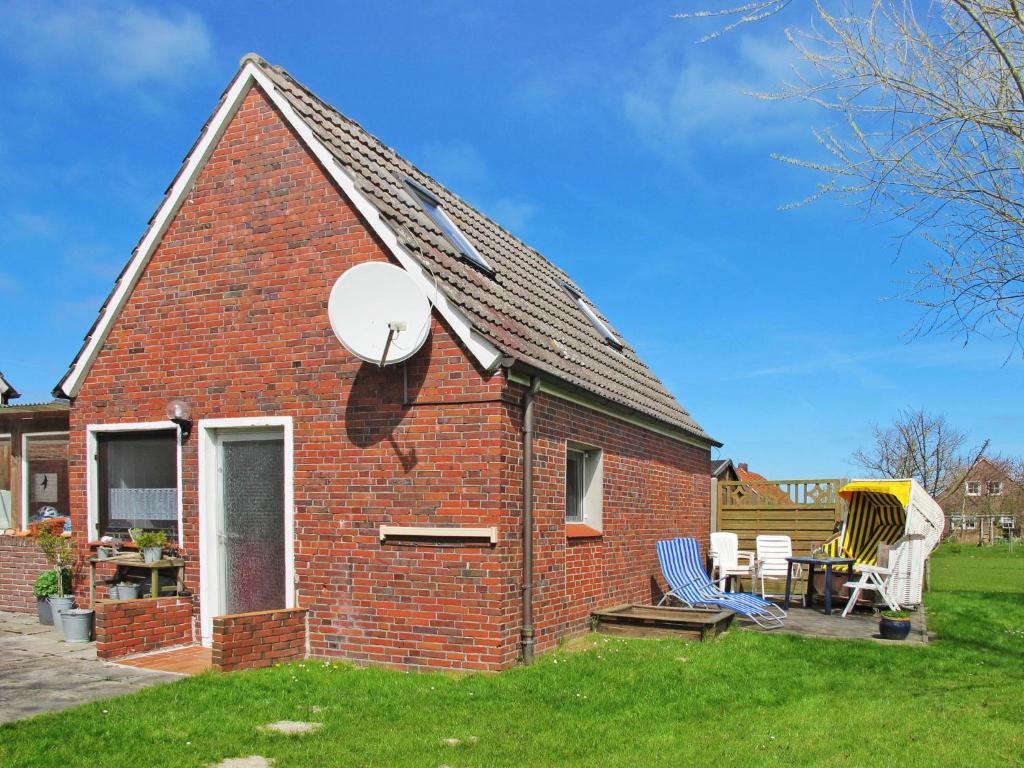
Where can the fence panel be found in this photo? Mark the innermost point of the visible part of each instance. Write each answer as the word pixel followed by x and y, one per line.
pixel 805 510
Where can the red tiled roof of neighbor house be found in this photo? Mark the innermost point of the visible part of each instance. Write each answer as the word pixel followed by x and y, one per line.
pixel 523 308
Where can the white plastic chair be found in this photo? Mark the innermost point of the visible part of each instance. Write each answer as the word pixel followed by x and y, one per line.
pixel 772 552
pixel 878 577
pixel 725 558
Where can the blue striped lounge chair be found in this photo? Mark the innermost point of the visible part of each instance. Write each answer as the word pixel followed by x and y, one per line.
pixel 690 584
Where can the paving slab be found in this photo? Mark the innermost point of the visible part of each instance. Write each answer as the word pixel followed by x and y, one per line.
pixel 42 673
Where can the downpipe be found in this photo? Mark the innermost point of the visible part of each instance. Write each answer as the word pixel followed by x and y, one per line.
pixel 527 638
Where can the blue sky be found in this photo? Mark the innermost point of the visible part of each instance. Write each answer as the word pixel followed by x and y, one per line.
pixel 601 133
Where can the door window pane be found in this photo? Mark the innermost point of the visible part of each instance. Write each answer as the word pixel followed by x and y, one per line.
pixel 138 481
pixel 253 526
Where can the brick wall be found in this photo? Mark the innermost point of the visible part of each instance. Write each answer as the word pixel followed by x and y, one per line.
pixel 20 563
pixel 260 639
pixel 126 627
pixel 654 488
pixel 231 314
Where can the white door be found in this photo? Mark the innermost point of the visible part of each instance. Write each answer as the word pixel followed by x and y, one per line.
pixel 245 560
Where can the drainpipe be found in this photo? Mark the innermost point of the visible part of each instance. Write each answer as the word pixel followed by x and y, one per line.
pixel 527 631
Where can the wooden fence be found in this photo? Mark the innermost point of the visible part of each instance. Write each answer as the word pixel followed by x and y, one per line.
pixel 805 510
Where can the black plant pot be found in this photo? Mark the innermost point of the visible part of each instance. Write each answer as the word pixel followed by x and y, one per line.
pixel 894 629
pixel 44 611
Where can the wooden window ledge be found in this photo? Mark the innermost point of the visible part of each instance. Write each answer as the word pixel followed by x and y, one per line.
pixel 581 531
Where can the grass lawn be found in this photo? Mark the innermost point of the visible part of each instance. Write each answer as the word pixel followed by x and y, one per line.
pixel 748 699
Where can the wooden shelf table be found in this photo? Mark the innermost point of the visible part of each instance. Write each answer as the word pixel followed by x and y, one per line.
pixel 126 563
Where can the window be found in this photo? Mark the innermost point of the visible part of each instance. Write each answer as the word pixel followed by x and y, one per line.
pixel 974 488
pixel 970 523
pixel 589 313
pixel 137 481
pixel 583 481
pixel 1008 522
pixel 432 207
pixel 7 516
pixel 44 480
pixel 995 487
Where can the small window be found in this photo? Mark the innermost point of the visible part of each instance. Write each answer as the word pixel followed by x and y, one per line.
pixel 974 488
pixel 995 487
pixel 583 480
pixel 591 315
pixel 432 207
pixel 138 481
pixel 1008 522
pixel 970 524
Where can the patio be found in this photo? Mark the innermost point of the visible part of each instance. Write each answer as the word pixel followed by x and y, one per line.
pixel 860 625
pixel 42 673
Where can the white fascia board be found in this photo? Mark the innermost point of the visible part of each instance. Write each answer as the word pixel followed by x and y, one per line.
pixel 484 352
pixel 481 349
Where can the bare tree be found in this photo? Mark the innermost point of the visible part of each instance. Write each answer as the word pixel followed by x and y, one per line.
pixel 929 98
pixel 918 444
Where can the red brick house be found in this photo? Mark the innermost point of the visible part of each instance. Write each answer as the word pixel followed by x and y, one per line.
pixel 388 503
pixel 986 504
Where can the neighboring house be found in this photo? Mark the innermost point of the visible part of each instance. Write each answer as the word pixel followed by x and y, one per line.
pixel 387 502
pixel 7 392
pixel 986 504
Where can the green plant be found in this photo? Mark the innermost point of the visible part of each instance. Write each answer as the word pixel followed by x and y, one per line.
pixel 147 539
pixel 59 552
pixel 902 615
pixel 46 584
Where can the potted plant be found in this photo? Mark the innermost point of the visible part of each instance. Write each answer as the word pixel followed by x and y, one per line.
pixel 894 625
pixel 151 543
pixel 59 552
pixel 44 588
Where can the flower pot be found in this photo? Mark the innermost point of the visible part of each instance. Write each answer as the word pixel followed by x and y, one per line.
pixel 103 553
pixel 43 611
pixel 58 604
pixel 893 629
pixel 126 591
pixel 152 554
pixel 77 625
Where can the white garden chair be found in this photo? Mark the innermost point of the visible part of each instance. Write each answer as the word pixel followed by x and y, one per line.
pixel 772 552
pixel 878 577
pixel 726 557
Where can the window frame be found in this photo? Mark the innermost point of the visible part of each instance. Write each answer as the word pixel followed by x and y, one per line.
pixel 970 523
pixel 967 487
pixel 15 514
pixel 599 325
pixel 92 474
pixel 998 485
pixel 434 210
pixel 592 485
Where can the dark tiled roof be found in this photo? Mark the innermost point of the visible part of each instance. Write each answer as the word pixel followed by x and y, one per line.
pixel 523 308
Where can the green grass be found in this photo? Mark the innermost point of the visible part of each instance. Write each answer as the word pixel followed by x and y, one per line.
pixel 748 699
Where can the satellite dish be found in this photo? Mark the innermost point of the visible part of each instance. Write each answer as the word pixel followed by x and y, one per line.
pixel 379 313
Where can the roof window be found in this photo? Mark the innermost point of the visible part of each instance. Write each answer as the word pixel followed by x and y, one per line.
pixel 591 315
pixel 432 207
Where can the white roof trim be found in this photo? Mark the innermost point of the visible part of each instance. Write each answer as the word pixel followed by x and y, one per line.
pixel 481 349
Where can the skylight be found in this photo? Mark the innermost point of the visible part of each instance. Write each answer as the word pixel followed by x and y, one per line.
pixel 432 207
pixel 595 321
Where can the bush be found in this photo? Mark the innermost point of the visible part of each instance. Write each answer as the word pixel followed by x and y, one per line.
pixel 46 584
pixel 896 614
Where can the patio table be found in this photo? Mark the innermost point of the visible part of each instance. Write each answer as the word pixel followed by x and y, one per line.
pixel 812 562
pixel 126 563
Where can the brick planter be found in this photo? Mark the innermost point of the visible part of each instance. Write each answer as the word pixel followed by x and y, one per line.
pixel 20 563
pixel 126 627
pixel 260 639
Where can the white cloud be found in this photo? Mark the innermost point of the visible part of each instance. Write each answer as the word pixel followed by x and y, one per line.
pixel 703 93
pixel 125 43
pixel 513 215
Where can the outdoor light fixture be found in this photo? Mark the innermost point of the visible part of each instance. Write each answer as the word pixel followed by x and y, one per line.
pixel 179 412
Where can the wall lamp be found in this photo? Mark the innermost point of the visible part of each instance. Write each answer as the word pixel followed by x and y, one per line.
pixel 180 413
